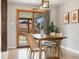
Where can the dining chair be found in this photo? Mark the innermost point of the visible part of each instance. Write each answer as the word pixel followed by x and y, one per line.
pixel 49 45
pixel 56 47
pixel 34 46
pixel 52 45
pixel 44 41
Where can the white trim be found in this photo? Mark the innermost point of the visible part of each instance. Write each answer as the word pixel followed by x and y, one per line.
pixel 75 51
pixel 11 47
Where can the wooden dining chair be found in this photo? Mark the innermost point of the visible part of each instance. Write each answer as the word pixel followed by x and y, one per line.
pixel 56 47
pixel 49 46
pixel 34 46
pixel 53 45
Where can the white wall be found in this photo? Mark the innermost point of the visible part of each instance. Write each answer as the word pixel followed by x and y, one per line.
pixel 53 13
pixel 0 24
pixel 12 22
pixel 69 30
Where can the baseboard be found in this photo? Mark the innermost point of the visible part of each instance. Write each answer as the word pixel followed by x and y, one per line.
pixel 70 49
pixel 11 47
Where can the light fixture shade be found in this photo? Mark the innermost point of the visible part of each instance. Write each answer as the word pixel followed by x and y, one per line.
pixel 45 4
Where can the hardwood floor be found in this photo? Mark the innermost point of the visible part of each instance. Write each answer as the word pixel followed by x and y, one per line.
pixel 23 53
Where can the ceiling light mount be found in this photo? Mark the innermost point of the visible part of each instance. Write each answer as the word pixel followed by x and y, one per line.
pixel 43 6
pixel 45 3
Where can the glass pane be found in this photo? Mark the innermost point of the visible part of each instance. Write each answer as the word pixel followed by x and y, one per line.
pixel 25 26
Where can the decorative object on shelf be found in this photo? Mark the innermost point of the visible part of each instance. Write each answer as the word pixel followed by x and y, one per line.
pixel 22 38
pixel 52 29
pixel 66 18
pixel 74 16
pixel 40 23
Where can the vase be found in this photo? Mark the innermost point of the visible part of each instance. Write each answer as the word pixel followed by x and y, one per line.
pixel 52 33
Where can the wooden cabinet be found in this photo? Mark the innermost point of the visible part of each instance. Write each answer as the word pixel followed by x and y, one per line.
pixel 25 26
pixel 25 23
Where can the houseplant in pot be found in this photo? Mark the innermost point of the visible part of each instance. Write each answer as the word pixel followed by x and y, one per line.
pixel 52 29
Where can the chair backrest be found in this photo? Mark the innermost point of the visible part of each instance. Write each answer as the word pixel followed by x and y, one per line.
pixel 32 42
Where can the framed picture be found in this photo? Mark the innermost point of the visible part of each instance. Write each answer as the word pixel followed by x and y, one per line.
pixel 74 16
pixel 66 18
pixel 46 4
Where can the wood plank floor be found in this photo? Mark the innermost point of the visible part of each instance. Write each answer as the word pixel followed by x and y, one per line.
pixel 22 53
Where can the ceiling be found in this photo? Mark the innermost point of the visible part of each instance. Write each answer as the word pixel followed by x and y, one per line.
pixel 37 2
pixel 57 2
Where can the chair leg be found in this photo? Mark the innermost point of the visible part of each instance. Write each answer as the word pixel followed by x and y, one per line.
pixel 52 50
pixel 61 51
pixel 28 49
pixel 46 49
pixel 55 50
pixel 33 54
pixel 30 54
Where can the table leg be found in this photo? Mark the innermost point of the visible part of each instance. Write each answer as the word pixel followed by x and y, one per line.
pixel 59 49
pixel 58 53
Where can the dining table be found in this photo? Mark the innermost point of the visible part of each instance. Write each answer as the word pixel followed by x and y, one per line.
pixel 44 37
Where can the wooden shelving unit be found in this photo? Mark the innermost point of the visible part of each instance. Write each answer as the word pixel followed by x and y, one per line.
pixel 25 24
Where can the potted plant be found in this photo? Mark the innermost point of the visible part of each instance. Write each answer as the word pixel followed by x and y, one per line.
pixel 52 29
